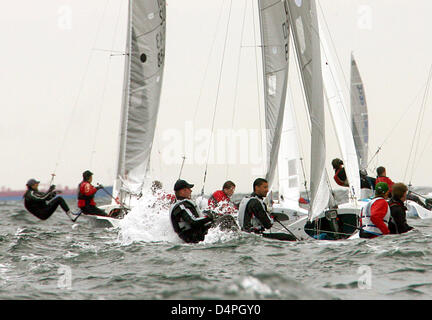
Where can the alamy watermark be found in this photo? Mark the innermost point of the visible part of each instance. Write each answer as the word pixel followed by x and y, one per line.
pixel 65 280
pixel 365 17
pixel 365 279
pixel 221 147
pixel 64 18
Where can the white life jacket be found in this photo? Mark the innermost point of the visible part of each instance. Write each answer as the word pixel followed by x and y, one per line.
pixel 242 209
pixel 366 222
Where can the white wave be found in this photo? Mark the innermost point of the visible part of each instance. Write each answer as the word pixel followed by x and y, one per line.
pixel 149 221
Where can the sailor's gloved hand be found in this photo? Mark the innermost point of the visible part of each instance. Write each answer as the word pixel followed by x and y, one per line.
pixel 51 188
pixel 210 214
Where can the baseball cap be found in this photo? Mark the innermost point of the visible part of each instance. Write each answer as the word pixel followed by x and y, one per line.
pixel 381 187
pixel 181 184
pixel 32 182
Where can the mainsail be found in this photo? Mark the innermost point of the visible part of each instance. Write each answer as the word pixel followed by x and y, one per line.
pixel 340 117
pixel 275 39
pixel 304 23
pixel 141 91
pixel 359 116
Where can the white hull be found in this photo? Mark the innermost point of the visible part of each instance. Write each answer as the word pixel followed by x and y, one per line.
pixel 417 211
pixel 101 221
pixel 299 226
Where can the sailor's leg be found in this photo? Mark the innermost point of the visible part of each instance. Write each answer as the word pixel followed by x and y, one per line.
pixel 52 207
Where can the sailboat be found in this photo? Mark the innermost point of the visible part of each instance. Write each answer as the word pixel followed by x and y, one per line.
pixel 360 129
pixel 301 18
pixel 143 74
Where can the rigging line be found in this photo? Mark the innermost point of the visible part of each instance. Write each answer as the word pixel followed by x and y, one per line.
pixel 334 47
pixel 80 87
pixel 217 96
pixel 237 79
pixel 428 145
pixel 107 72
pixel 208 61
pixel 257 78
pixel 398 122
pixel 419 127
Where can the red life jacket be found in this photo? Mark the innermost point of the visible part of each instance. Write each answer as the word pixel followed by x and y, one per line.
pixel 86 194
pixel 337 179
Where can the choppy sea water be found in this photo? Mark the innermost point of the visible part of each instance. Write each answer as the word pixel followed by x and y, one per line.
pixel 142 259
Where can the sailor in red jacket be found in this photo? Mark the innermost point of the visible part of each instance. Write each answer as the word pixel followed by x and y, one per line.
pixel 86 193
pixel 382 177
pixel 220 201
pixel 375 216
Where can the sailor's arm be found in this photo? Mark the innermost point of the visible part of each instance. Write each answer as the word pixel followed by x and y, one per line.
pixel 259 212
pixel 41 196
pixel 188 217
pixel 379 210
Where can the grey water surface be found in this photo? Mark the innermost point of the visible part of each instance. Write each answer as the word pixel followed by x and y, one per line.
pixel 56 259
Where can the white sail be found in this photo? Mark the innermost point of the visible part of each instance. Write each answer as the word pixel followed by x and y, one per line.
pixel 141 90
pixel 275 39
pixel 289 161
pixel 340 117
pixel 359 115
pixel 304 24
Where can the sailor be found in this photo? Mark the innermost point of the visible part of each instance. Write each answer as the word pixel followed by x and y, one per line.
pixel 253 216
pixel 398 223
pixel 375 216
pixel 220 201
pixel 340 176
pixel 187 220
pixel 43 205
pixel 382 177
pixel 86 193
pixel 188 223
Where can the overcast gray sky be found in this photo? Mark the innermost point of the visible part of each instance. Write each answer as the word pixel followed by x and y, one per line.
pixel 61 87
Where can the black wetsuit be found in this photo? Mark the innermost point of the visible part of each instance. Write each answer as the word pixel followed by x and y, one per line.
pixel 258 210
pixel 187 222
pixel 43 205
pixel 255 208
pixel 398 222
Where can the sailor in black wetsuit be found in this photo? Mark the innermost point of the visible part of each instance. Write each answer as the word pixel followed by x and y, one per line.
pixel 185 216
pixel 253 216
pixel 398 222
pixel 43 205
pixel 188 222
